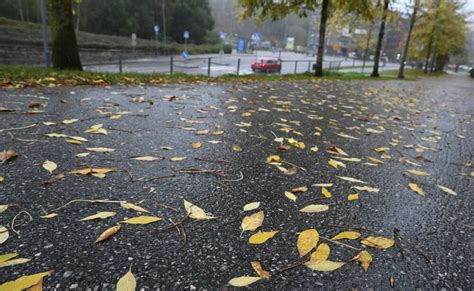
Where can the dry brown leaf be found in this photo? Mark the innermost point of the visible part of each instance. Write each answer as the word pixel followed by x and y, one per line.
pixel 364 259
pixel 7 155
pixel 108 233
pixel 259 270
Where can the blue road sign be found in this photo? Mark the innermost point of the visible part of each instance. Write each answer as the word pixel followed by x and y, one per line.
pixel 185 55
pixel 186 34
pixel 157 29
pixel 241 45
pixel 256 36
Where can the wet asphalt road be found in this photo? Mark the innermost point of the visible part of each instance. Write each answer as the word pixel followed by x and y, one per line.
pixel 432 119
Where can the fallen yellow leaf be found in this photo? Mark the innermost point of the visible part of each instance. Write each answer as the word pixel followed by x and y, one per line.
pixel 100 215
pixel 417 189
pixel 251 206
pixel 324 266
pixel 291 196
pixel 127 282
pixel 195 212
pixel 262 237
pixel 259 270
pixel 326 192
pixel 252 222
pixel 447 190
pixel 378 242
pixel 352 197
pixel 128 205
pixel 307 241
pixel 335 164
pixel 24 282
pixel 321 253
pixel 50 166
pixel 364 259
pixel 108 233
pixel 145 219
pixel 346 235
pixel 419 173
pixel 243 281
pixel 314 208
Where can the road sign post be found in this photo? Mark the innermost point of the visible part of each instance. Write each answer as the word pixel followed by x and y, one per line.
pixel 156 28
pixel 186 36
pixel 134 42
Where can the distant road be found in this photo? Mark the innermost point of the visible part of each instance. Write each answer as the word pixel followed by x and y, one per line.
pixel 227 64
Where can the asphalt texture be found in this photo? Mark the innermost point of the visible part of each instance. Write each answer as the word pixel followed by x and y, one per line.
pixel 428 122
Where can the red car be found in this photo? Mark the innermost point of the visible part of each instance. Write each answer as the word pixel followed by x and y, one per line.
pixel 266 66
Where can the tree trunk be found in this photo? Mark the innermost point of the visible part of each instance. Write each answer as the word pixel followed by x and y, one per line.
pixel 428 54
pixel 78 15
pixel 20 10
pixel 375 72
pixel 322 38
pixel 65 52
pixel 401 72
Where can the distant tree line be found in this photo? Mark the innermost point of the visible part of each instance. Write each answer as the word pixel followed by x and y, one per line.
pixel 124 17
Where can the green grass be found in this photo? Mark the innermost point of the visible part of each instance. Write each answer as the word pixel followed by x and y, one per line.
pixel 16 76
pixel 413 74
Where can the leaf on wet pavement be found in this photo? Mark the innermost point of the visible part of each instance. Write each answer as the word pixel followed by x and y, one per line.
pixel 252 222
pixel 49 215
pixel 364 259
pixel 4 234
pixel 128 205
pixel 262 237
pixel 350 179
pixel 352 197
pixel 366 188
pixel 14 262
pixel 337 151
pixel 416 188
pixel 291 196
pixel 257 267
pixel 314 208
pixel 50 166
pixel 447 190
pixel 3 207
pixel 144 219
pixel 146 158
pixel 99 215
pixel 336 164
pixel 196 145
pixel 127 282
pixel 324 265
pixel 108 233
pixel 196 212
pixel 251 206
pixel 419 173
pixel 325 192
pixel 100 150
pixel 97 129
pixel 307 241
pixel 244 281
pixel 177 159
pixel 24 282
pixel 321 253
pixel 379 242
pixel 273 158
pixel 7 155
pixel 6 257
pixel 346 235
pixel 98 172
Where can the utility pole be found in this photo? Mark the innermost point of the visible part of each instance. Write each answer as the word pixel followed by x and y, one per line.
pixel 163 5
pixel 44 29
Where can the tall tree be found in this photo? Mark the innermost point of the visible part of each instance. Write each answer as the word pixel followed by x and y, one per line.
pixel 407 43
pixel 378 50
pixel 65 52
pixel 279 9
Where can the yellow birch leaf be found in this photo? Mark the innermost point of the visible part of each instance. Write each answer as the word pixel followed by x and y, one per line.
pixel 243 281
pixel 364 259
pixel 108 233
pixel 417 189
pixel 307 241
pixel 99 215
pixel 70 121
pixel 100 150
pixel 50 166
pixel 73 141
pixel 4 234
pixel 49 215
pixel 251 206
pixel 145 219
pixel 262 237
pixel 3 207
pixel 237 148
pixel 323 185
pixel 257 267
pixel 127 282
pixel 252 222
pixel 177 159
pixel 314 208
pixel 352 197
pixel 196 145
pixel 350 179
pixel 326 192
pixel 378 242
pixel 23 282
pixel 419 173
pixel 321 253
pixel 6 257
pixel 273 158
pixel 128 205
pixel 14 262
pixel 314 149
pixel 335 164
pixel 366 188
pixel 447 190
pixel 195 212
pixel 324 266
pixel 375 160
pixel 146 158
pixel 1 179
pixel 291 196
pixel 78 138
pixel 346 235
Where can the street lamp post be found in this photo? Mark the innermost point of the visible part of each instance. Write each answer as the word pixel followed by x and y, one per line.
pixel 163 13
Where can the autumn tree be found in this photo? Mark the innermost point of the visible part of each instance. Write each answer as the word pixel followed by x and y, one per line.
pixel 416 6
pixel 442 31
pixel 277 9
pixel 65 52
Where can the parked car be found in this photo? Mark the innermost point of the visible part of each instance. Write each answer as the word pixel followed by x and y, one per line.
pixel 471 72
pixel 268 66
